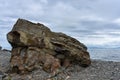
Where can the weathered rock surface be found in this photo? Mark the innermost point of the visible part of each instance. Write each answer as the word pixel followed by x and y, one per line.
pixel 36 45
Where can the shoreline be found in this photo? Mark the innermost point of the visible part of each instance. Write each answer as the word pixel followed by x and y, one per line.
pixel 98 70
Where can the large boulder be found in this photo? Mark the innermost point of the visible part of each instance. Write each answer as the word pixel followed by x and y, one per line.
pixel 34 45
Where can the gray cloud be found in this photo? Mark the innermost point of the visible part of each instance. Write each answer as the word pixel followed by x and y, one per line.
pixel 95 25
pixel 86 20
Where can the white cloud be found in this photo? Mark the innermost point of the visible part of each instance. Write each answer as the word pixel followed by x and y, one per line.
pixel 96 21
pixel 101 40
pixel 44 1
pixel 117 21
pixel 92 18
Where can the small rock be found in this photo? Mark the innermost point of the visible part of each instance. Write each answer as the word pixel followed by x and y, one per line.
pixel 2 75
pixel 0 48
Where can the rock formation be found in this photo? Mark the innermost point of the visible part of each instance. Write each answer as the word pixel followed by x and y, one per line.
pixel 34 45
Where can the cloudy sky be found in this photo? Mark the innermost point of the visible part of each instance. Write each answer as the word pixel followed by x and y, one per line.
pixel 96 23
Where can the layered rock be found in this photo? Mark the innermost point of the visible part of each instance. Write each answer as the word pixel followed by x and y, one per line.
pixel 35 45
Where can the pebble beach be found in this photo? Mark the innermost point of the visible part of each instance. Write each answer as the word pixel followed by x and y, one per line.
pixel 98 70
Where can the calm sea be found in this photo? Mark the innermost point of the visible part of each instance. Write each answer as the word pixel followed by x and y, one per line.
pixel 105 54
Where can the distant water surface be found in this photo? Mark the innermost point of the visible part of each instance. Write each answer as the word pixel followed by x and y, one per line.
pixel 105 54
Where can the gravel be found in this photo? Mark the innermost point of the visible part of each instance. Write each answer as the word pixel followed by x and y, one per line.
pixel 98 70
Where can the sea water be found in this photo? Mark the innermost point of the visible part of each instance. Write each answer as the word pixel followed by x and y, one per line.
pixel 105 54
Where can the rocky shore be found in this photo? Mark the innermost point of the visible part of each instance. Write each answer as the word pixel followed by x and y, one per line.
pixel 38 53
pixel 98 70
